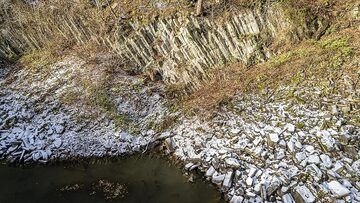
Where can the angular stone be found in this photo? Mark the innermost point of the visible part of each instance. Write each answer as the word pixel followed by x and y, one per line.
pixel 188 166
pixel 290 127
pixel 257 141
pixel 273 187
pixel 236 199
pixel 252 171
pixel 249 181
pixel 273 139
pixel 302 194
pixel 356 167
pixel 338 189
pixel 310 149
pixel 235 131
pixel 232 162
pixel 327 141
pixel 300 156
pixel 314 171
pixel 59 129
pixel 287 198
pixel 210 171
pixel 314 159
pixel 326 161
pixel 217 178
pixel 57 142
pixel 291 146
pixel 338 167
pixel 228 179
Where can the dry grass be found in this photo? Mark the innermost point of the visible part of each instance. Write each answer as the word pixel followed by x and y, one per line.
pixel 312 61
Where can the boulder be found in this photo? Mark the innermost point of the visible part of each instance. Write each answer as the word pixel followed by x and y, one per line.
pixel 228 179
pixel 287 198
pixel 338 189
pixel 217 178
pixel 302 194
pixel 210 171
pixel 272 139
pixel 236 199
pixel 232 162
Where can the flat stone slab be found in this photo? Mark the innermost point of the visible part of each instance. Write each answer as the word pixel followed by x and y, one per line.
pixel 338 189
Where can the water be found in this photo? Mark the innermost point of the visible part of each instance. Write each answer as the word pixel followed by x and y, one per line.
pixel 138 178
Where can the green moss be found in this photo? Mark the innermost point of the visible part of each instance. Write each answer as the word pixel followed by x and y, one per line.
pixel 40 59
pixel 338 48
pixel 282 59
pixel 101 98
pixel 300 125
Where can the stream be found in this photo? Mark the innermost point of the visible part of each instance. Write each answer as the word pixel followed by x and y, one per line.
pixel 145 178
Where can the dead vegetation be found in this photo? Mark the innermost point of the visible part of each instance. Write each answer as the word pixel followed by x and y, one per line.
pixel 323 63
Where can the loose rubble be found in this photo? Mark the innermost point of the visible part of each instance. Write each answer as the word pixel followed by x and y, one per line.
pixel 260 148
pixel 257 151
pixel 35 127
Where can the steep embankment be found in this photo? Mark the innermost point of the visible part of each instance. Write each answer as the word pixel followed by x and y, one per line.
pixel 283 81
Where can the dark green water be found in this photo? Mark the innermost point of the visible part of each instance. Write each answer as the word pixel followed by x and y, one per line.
pixel 145 179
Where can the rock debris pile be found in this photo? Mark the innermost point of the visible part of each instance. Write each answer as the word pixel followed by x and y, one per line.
pixel 274 150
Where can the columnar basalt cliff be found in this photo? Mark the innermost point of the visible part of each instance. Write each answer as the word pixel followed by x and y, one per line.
pixel 180 49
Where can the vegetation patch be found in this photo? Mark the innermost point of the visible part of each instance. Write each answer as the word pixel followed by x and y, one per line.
pixel 311 61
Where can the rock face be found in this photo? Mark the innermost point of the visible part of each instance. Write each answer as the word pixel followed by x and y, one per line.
pixel 194 44
pixel 201 43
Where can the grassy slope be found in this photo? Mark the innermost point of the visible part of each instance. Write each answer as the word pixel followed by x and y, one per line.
pixel 332 56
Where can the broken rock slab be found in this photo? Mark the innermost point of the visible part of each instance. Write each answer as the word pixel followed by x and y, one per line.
pixel 337 189
pixel 302 194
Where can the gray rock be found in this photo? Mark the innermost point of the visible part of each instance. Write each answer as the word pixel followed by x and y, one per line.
pixel 338 189
pixel 300 156
pixel 235 131
pixel 315 172
pixel 228 179
pixel 188 166
pixel 302 194
pixel 314 159
pixel 232 162
pixel 59 129
pixel 57 142
pixel 249 181
pixel 273 187
pixel 252 171
pixel 287 198
pixel 236 199
pixel 291 146
pixel 356 167
pixel 326 161
pixel 218 178
pixel 335 110
pixel 338 167
pixel 210 171
pixel 310 149
pixel 327 141
pixel 273 139
pixel 290 127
